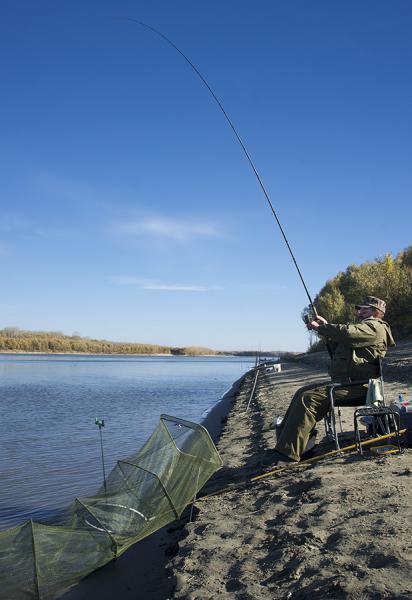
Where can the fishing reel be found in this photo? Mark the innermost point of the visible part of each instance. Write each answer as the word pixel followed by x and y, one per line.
pixel 308 316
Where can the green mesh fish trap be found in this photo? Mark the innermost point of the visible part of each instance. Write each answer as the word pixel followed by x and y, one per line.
pixel 142 494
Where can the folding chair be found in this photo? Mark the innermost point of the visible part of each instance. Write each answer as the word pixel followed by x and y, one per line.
pixel 330 418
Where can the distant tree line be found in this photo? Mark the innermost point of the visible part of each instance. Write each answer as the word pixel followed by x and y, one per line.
pixel 13 339
pixel 389 278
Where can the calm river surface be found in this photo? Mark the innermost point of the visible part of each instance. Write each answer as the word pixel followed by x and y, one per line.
pixel 49 444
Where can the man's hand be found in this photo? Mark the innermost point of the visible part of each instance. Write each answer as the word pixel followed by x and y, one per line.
pixel 315 324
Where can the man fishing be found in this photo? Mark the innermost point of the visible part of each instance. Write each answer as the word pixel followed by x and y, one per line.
pixel 355 348
pixel 355 351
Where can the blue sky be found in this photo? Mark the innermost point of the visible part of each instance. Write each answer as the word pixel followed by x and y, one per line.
pixel 128 211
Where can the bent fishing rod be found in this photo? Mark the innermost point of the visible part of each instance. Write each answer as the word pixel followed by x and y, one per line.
pixel 239 139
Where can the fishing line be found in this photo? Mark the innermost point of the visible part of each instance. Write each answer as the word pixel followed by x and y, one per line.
pixel 239 139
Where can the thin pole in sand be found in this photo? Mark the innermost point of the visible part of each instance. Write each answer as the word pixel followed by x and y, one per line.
pixel 253 388
pixel 100 423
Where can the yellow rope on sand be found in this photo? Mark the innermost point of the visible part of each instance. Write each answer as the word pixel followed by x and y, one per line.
pixel 295 465
pixel 326 455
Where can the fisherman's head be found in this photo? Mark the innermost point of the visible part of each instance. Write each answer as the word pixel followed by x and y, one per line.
pixel 371 307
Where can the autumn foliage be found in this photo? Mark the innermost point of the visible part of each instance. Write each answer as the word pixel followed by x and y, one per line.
pixel 389 278
pixel 13 339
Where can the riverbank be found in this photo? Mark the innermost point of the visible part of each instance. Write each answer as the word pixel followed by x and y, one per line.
pixel 337 529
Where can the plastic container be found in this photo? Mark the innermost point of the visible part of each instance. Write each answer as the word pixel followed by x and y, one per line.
pixel 404 409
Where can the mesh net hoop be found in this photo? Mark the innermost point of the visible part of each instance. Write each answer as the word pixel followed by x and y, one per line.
pixel 143 492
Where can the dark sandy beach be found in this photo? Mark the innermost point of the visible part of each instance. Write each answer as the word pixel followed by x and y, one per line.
pixel 339 528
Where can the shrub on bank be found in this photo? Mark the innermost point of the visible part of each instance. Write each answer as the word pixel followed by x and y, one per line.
pixel 389 277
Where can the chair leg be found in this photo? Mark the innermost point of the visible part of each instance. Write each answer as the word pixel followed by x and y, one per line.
pixel 335 431
pixel 357 432
pixel 340 420
pixel 396 426
pixel 383 425
pixel 326 422
pixel 333 419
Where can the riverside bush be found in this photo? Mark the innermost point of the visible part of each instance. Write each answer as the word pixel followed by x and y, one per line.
pixel 389 278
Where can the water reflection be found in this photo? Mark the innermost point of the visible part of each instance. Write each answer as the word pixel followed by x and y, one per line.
pixel 49 444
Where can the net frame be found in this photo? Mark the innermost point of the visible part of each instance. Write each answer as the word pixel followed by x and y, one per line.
pixel 144 492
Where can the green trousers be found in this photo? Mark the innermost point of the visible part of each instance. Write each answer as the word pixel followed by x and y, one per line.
pixel 309 405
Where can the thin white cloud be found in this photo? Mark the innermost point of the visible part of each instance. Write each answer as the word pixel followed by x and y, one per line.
pixel 65 189
pixel 3 249
pixel 263 287
pixel 149 284
pixel 177 230
pixel 11 223
pixel 16 225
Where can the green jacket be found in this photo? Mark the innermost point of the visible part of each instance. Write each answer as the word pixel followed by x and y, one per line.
pixel 356 349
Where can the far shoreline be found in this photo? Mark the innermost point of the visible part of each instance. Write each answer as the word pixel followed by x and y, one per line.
pixel 117 354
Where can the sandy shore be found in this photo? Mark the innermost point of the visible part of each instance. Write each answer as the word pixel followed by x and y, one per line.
pixel 338 529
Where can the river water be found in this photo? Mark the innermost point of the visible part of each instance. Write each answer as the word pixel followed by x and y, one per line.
pixel 49 443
